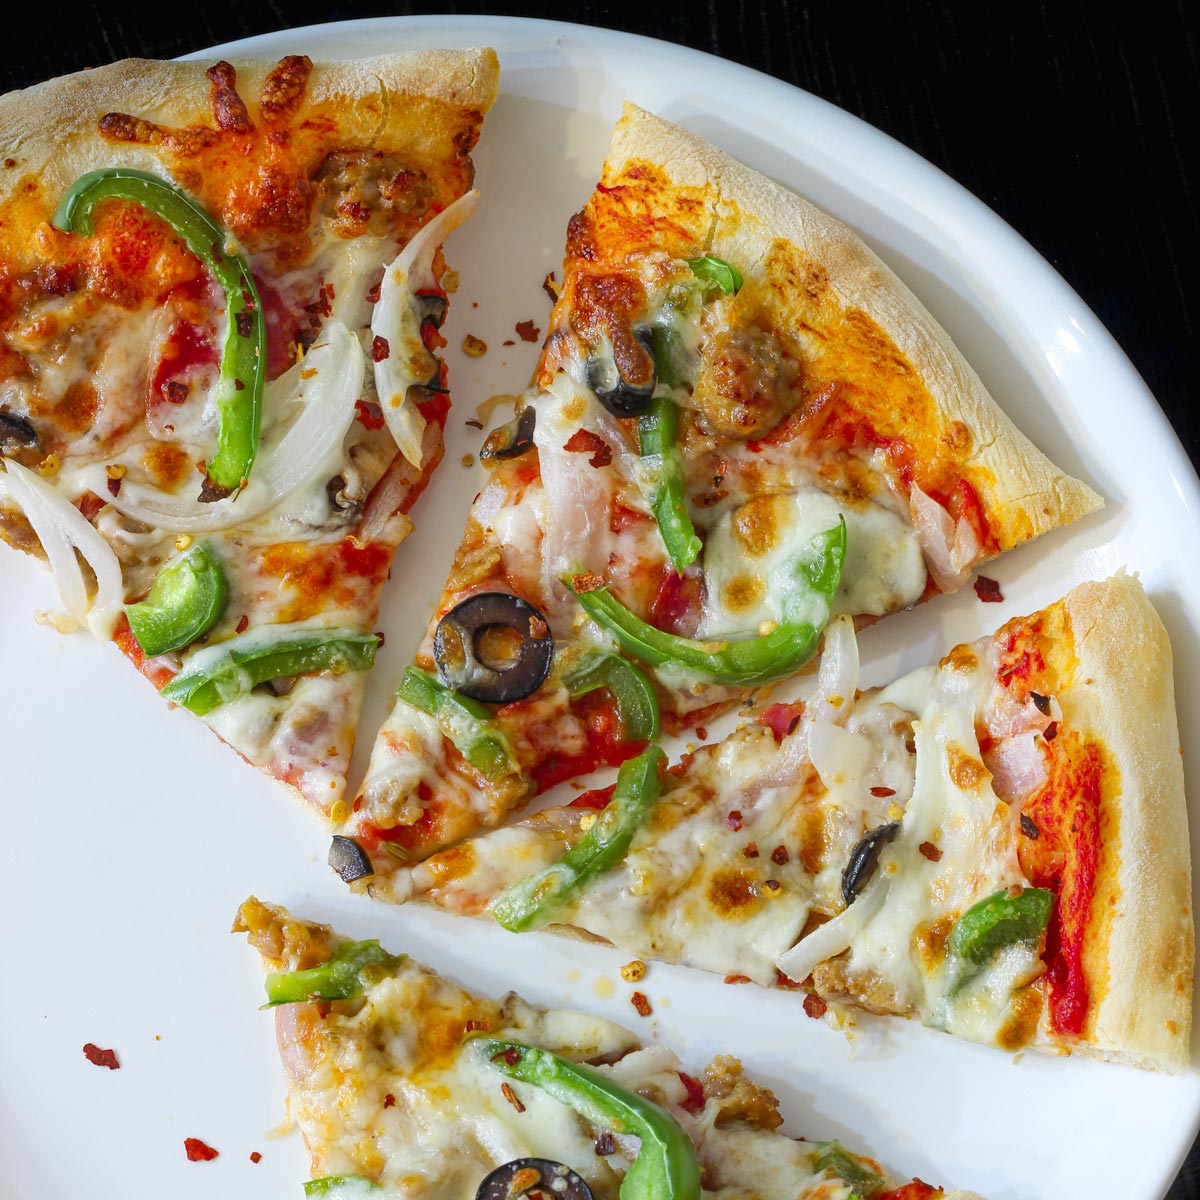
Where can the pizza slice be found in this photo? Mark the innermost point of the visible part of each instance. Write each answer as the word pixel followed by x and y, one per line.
pixel 995 844
pixel 206 370
pixel 742 422
pixel 406 1085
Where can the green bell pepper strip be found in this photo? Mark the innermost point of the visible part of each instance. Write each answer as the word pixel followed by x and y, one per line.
pixel 744 663
pixel 666 1167
pixel 833 1156
pixel 636 702
pixel 464 721
pixel 341 1187
pixel 997 921
pixel 353 968
pixel 248 661
pixel 534 900
pixel 716 273
pixel 244 357
pixel 188 598
pixel 658 428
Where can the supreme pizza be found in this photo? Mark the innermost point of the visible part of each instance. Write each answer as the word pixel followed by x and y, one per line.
pixel 407 1085
pixel 211 390
pixel 995 844
pixel 742 423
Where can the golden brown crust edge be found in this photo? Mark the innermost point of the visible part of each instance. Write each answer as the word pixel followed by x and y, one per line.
pixel 1140 960
pixel 1028 495
pixel 50 129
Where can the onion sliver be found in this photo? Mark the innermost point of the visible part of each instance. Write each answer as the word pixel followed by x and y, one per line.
pixel 326 381
pixel 835 935
pixel 62 529
pixel 950 549
pixel 397 320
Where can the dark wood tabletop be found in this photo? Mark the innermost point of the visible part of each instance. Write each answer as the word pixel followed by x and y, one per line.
pixel 1070 124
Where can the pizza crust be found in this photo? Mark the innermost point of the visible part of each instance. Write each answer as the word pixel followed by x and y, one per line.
pixel 1027 494
pixel 49 130
pixel 1140 960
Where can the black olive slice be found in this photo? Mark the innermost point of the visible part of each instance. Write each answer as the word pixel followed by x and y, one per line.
pixel 431 307
pixel 619 395
pixel 16 430
pixel 349 859
pixel 534 1177
pixel 864 858
pixel 493 647
pixel 511 439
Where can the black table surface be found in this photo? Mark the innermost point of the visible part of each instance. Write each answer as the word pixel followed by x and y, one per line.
pixel 1069 121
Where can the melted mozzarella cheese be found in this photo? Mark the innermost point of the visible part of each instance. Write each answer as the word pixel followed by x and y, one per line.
pixel 750 556
pixel 897 928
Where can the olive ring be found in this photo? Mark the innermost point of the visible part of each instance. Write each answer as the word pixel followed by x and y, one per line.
pixel 464 667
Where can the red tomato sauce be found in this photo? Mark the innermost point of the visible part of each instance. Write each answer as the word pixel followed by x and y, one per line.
pixel 1065 857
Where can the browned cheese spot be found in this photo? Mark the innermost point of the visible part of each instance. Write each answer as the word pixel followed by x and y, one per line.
pixel 756 525
pixel 732 895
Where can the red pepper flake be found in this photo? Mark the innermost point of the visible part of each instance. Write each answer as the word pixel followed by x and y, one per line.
pixel 737 978
pixel 101 1058
pixel 814 1006
pixel 587 582
pixel 177 393
pixel 473 1024
pixel 606 1144
pixel 1028 828
pixel 474 424
pixel 372 296
pixel 988 590
pixel 930 851
pixel 255 1157
pixel 382 638
pixel 751 850
pixel 198 1151
pixel 702 733
pixel 509 342
pixel 584 441
pixel 1051 731
pixel 368 414
pixel 243 624
pixel 733 820
pixel 640 1004
pixel 549 284
pixel 785 981
pixel 380 349
pixel 779 855
pixel 693 1102
pixel 511 1056
pixel 114 486
pixel 883 791
pixel 512 1097
pixel 389 1100
pixel 527 331
pixel 538 628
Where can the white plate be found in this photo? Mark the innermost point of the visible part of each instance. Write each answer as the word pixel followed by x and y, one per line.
pixel 132 836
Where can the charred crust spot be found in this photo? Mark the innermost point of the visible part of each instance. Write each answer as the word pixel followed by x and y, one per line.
pixel 229 109
pixel 121 127
pixel 284 88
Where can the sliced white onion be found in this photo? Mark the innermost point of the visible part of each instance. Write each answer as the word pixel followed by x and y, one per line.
pixel 327 381
pixel 62 529
pixel 397 320
pixel 950 550
pixel 1018 767
pixel 837 676
pixel 835 935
